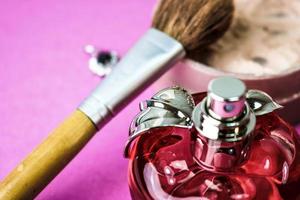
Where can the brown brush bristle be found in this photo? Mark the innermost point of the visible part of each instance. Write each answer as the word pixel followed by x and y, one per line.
pixel 194 23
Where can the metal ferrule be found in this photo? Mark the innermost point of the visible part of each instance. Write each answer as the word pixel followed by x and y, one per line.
pixel 229 131
pixel 152 55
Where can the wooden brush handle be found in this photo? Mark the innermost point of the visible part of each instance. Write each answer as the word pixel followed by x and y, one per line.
pixel 48 159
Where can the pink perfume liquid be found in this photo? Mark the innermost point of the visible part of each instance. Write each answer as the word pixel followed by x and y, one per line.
pixel 180 164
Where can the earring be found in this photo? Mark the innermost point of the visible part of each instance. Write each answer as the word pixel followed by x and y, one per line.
pixel 101 62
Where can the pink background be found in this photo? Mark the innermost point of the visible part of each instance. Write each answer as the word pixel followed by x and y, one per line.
pixel 44 76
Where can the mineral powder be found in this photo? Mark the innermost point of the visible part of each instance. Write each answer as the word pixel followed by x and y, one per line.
pixel 264 38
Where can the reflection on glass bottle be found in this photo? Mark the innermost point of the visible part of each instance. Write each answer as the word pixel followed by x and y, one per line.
pixel 224 144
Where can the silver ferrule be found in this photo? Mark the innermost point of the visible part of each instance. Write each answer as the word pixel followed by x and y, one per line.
pixel 151 57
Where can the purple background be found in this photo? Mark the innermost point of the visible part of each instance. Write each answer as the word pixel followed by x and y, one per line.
pixel 44 76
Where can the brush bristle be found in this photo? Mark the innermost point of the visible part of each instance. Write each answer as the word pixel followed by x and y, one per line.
pixel 194 23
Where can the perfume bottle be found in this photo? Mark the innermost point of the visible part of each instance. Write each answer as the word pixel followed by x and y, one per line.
pixel 224 144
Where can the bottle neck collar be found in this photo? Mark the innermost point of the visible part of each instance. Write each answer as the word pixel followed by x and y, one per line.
pixel 222 145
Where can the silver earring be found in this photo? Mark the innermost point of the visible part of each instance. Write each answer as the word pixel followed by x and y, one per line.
pixel 101 62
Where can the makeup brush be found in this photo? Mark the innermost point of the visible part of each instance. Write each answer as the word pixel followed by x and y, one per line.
pixel 180 27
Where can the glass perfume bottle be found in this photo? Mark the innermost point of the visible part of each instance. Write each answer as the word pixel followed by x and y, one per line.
pixel 224 144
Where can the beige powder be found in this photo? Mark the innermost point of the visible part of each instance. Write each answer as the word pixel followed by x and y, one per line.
pixel 264 38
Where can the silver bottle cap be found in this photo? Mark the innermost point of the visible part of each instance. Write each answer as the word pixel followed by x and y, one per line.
pixel 226 98
pixel 224 114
